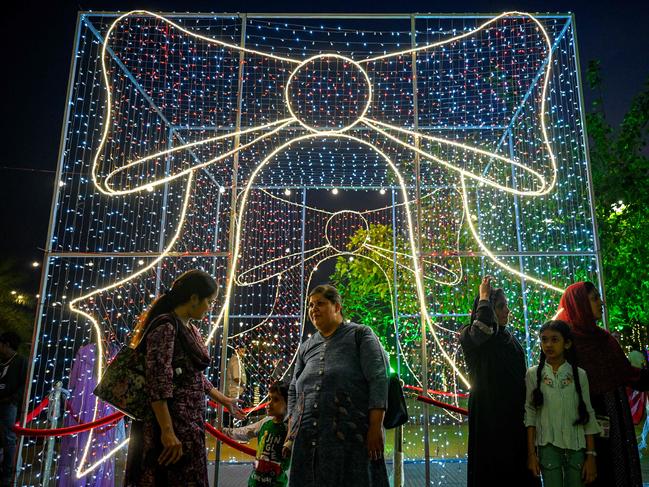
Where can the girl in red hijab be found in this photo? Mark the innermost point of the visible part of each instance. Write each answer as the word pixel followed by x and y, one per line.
pixel 609 371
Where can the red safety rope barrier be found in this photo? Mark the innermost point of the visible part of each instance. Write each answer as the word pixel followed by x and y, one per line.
pixel 246 410
pixel 443 405
pixel 437 393
pixel 256 408
pixel 68 430
pixel 110 422
pixel 37 410
pixel 229 441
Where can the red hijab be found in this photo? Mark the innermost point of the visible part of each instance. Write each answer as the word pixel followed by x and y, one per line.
pixel 598 352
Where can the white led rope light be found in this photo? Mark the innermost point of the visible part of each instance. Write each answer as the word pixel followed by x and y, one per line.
pixel 241 282
pixel 108 189
pixel 469 33
pixel 304 316
pixel 368 102
pixel 385 253
pixel 463 172
pixel 380 251
pixel 490 254
pixel 268 316
pixel 392 307
pixel 80 472
pixel 94 466
pixel 365 224
pixel 411 238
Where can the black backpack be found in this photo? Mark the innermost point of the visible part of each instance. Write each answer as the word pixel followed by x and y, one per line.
pixel 396 413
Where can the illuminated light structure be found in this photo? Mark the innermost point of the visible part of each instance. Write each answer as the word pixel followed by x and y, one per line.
pixel 218 141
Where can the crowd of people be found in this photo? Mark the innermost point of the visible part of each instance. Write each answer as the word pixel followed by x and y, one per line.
pixel 325 428
pixel 566 420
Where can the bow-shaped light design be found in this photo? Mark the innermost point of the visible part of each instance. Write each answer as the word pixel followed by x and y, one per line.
pixel 351 121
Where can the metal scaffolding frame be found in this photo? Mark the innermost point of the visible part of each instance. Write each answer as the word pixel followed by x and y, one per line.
pixel 85 21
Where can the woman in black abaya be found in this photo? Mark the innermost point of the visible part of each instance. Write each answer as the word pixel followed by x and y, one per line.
pixel 496 365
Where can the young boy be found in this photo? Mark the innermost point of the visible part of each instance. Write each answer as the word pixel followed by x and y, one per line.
pixel 270 467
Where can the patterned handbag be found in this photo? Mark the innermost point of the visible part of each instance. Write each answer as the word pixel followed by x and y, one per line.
pixel 123 383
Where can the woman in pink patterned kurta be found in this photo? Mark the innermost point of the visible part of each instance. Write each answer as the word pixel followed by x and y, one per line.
pixel 168 449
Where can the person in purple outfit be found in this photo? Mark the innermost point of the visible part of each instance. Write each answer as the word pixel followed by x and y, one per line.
pixel 80 407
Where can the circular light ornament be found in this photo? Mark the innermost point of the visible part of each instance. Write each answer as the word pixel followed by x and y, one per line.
pixel 342 224
pixel 328 93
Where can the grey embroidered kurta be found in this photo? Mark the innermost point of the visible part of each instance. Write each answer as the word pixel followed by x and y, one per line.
pixel 337 380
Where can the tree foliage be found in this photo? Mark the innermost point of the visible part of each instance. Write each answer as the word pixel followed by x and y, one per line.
pixel 367 286
pixel 620 172
pixel 16 307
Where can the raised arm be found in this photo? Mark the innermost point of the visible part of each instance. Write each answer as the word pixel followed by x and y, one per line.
pixel 246 433
pixel 483 325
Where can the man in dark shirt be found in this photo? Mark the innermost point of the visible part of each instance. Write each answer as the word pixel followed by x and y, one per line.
pixel 13 373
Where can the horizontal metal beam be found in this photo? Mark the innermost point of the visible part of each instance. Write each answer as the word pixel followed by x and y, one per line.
pixel 438 315
pixel 292 317
pixel 557 253
pixel 180 128
pixel 65 255
pixel 325 16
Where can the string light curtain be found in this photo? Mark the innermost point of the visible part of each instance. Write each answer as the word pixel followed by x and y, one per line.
pixel 267 148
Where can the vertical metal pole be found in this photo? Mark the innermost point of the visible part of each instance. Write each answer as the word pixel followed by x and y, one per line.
pixel 53 410
pixel 394 276
pixel 478 225
pixel 424 331
pixel 217 228
pixel 302 290
pixel 397 459
pixel 519 242
pixel 163 217
pixel 233 215
pixel 215 259
pixel 591 191
pixel 40 305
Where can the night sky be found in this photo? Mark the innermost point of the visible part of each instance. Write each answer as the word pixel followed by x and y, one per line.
pixel 37 41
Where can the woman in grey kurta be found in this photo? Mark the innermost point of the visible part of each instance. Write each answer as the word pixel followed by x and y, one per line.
pixel 337 401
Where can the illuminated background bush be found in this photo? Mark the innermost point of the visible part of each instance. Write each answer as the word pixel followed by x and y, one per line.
pixel 405 156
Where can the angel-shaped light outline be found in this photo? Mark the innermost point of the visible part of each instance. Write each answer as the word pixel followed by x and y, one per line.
pixel 330 251
pixel 379 127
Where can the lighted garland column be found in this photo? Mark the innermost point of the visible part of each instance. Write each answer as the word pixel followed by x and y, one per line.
pixel 591 191
pixel 48 254
pixel 422 319
pixel 399 476
pixel 231 242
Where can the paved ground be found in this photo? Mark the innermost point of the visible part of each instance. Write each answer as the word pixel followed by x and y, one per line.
pixel 446 473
